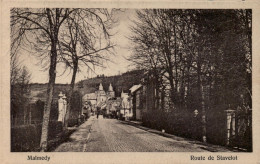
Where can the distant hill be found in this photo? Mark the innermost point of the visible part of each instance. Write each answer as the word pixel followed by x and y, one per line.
pixel 38 91
pixel 119 82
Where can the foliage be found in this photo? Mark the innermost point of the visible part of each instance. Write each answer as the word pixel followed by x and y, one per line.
pixel 191 50
pixel 76 107
pixel 26 138
pixel 19 93
pixel 37 31
pixel 197 59
pixel 184 124
pixel 52 34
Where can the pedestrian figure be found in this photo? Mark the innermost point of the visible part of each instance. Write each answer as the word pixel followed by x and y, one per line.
pixel 98 110
pixel 196 125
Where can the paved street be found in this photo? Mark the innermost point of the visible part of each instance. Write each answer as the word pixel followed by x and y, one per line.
pixel 110 135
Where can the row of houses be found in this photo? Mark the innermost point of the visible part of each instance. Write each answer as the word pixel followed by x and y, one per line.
pixel 142 97
pixel 107 101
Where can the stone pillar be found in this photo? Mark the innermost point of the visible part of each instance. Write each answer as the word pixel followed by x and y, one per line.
pixel 60 107
pixel 233 130
pixel 230 124
pixel 64 108
pixel 30 114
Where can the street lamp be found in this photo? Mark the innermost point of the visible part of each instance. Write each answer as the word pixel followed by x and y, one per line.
pixel 64 97
pixel 196 112
pixel 60 95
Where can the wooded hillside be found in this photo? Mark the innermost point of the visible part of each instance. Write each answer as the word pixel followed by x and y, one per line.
pixel 119 82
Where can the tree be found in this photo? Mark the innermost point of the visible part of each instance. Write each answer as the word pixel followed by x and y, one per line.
pixel 19 92
pixel 145 50
pixel 39 29
pixel 157 34
pixel 205 55
pixel 85 42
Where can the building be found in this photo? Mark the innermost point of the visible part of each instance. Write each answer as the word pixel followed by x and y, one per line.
pixel 91 97
pixel 100 97
pixel 110 92
pixel 137 101
pixel 144 97
pixel 126 105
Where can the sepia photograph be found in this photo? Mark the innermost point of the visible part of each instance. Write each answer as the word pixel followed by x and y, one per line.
pixel 130 80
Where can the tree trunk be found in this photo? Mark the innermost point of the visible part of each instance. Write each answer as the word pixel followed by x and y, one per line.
pixel 188 92
pixel 182 90
pixel 47 106
pixel 249 32
pixel 162 97
pixel 172 87
pixel 72 84
pixel 176 81
pixel 201 99
pixel 204 128
pixel 52 77
pixel 30 115
pixel 24 116
pixel 153 91
pixel 157 106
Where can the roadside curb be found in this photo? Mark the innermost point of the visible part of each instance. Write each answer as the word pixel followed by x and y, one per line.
pixel 205 146
pixel 87 124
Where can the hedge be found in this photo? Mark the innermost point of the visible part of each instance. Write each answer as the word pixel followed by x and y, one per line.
pixel 26 138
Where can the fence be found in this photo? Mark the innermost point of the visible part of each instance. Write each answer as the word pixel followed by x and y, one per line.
pixel 231 128
pixel 28 113
pixel 26 125
pixel 239 128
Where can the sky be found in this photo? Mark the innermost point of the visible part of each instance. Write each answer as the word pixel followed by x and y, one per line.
pixel 118 65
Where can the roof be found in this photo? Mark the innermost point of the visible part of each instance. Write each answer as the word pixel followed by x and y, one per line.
pixel 90 96
pixel 35 99
pixel 135 88
pixel 102 104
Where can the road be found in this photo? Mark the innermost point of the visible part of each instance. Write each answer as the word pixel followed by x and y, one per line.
pixel 110 135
